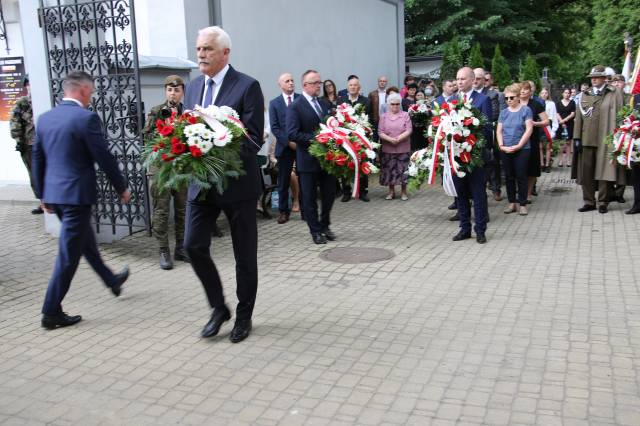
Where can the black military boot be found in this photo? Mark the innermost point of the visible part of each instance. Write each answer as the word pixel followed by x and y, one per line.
pixel 165 259
pixel 180 254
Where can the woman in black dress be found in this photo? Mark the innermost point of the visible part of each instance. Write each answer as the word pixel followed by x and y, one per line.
pixel 329 92
pixel 540 120
pixel 566 113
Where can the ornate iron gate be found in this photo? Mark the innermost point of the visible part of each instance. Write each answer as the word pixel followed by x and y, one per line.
pixel 99 37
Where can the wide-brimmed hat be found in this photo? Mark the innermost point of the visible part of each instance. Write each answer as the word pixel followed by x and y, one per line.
pixel 598 71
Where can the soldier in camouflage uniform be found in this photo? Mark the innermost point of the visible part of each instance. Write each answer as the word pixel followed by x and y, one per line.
pixel 174 92
pixel 23 131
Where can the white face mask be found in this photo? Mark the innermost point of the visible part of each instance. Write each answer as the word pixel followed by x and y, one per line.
pixel 428 91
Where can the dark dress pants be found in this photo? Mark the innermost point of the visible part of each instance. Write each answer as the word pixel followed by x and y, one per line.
pixel 285 167
pixel 472 187
pixel 76 240
pixel 635 174
pixel 364 185
pixel 495 178
pixel 310 182
pixel 244 236
pixel 515 172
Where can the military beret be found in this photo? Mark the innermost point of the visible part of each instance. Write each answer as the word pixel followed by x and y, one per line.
pixel 173 80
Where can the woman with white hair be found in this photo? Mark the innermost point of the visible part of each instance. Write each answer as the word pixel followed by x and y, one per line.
pixel 394 129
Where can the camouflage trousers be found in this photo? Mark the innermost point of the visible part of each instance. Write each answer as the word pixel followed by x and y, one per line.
pixel 161 210
pixel 25 154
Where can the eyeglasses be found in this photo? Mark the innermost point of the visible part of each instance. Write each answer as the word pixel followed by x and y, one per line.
pixel 315 83
pixel 394 104
pixel 510 98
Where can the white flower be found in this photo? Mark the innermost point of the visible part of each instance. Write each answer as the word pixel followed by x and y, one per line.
pixel 475 121
pixel 371 154
pixel 205 146
pixel 373 168
pixel 461 174
pixel 229 111
pixel 466 132
pixel 465 146
pixel 622 159
pixel 413 170
pixel 206 134
pixel 193 140
pixel 222 138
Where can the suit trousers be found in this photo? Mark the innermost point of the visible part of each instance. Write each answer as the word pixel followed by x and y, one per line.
pixel 310 182
pixel 285 167
pixel 244 237
pixel 364 185
pixel 472 187
pixel 587 159
pixel 76 240
pixel 635 174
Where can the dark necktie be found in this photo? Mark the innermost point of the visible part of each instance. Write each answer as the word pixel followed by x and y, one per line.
pixel 208 96
pixel 316 106
pixel 288 100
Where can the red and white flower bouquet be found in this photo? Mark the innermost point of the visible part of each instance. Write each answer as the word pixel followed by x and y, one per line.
pixel 343 145
pixel 625 141
pixel 420 112
pixel 199 147
pixel 456 148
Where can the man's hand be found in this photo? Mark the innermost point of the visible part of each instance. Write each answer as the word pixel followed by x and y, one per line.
pixel 45 207
pixel 293 145
pixel 125 196
pixel 577 145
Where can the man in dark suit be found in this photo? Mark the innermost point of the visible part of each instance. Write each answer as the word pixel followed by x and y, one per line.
pixel 354 98
pixel 69 140
pixel 472 186
pixel 344 92
pixel 220 84
pixel 285 150
pixel 303 120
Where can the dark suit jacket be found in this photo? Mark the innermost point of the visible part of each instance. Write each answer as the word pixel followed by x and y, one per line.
pixel 483 103
pixel 278 121
pixel 69 140
pixel 495 103
pixel 243 94
pixel 302 123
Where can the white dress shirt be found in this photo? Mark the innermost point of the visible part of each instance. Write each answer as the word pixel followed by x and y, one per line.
pixel 217 80
pixel 73 100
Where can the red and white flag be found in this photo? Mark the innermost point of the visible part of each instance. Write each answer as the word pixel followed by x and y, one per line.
pixel 635 79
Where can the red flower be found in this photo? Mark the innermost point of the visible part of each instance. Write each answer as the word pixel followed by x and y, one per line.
pixel 155 148
pixel 174 140
pixel 195 151
pixel 356 146
pixel 363 155
pixel 159 123
pixel 166 130
pixel 364 168
pixel 341 160
pixel 351 165
pixel 178 148
pixel 435 121
pixel 468 121
pixel 329 156
pixel 167 158
pixel 454 102
pixel 465 156
pixel 323 138
pixel 192 119
pixel 161 144
pixel 472 138
pixel 457 137
pixel 445 106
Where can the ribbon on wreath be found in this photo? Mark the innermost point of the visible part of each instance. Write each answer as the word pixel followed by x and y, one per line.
pixel 624 135
pixel 341 135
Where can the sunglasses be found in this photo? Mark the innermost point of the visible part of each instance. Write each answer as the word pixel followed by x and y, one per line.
pixel 510 98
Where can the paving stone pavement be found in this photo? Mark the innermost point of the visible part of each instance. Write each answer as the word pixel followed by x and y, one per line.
pixel 541 326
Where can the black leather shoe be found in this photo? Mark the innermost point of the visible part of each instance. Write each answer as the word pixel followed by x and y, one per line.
pixel 165 259
pixel 329 235
pixel 452 206
pixel 586 208
pixel 603 209
pixel 319 238
pixel 241 331
pixel 283 218
pixel 621 200
pixel 364 197
pixel 37 211
pixel 218 317
pixel 181 254
pixel 116 289
pixel 633 210
pixel 461 236
pixel 534 192
pixel 345 197
pixel 61 320
pixel 481 239
pixel 454 218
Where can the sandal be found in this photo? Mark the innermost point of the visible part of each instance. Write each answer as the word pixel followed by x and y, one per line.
pixel 390 196
pixel 404 197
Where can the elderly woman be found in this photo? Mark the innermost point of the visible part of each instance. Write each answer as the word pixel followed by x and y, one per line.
pixel 394 129
pixel 515 125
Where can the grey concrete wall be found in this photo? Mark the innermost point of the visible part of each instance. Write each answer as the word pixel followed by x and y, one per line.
pixel 336 37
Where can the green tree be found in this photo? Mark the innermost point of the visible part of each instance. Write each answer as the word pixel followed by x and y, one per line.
pixel 611 19
pixel 531 71
pixel 500 69
pixel 451 59
pixel 475 57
